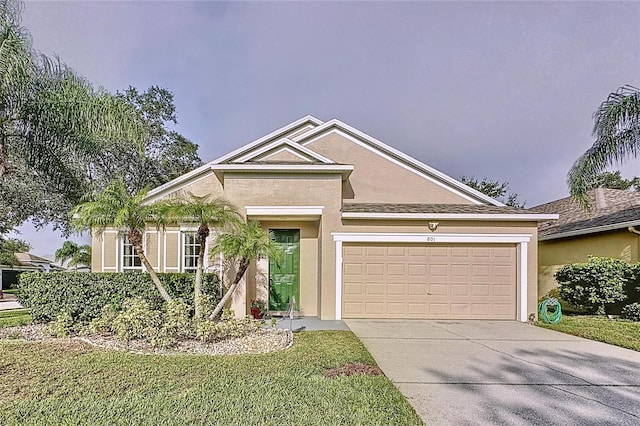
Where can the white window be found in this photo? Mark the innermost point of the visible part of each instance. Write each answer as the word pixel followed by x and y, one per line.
pixel 190 251
pixel 130 260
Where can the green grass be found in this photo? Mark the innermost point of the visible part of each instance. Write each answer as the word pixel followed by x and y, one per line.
pixel 14 317
pixel 621 333
pixel 69 382
pixel 10 291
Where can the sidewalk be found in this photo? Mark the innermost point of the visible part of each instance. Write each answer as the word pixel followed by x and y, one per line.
pixel 9 301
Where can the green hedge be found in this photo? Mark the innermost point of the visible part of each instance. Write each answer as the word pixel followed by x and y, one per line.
pixel 599 285
pixel 84 294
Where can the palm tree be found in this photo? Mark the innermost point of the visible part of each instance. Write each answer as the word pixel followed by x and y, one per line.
pixel 617 133
pixel 116 207
pixel 243 244
pixel 205 212
pixel 74 255
pixel 53 122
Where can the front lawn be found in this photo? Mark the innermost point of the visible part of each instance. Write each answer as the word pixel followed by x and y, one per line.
pixel 621 333
pixel 14 317
pixel 69 382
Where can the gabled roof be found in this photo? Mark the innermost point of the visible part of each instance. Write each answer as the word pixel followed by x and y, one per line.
pixel 285 144
pixel 334 125
pixel 295 137
pixel 610 209
pixel 297 127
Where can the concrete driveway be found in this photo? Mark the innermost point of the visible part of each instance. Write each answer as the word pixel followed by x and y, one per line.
pixel 504 372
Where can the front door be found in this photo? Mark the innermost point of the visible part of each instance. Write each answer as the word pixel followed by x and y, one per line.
pixel 284 276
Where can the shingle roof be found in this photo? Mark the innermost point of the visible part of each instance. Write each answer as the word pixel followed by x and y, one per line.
pixel 609 207
pixel 432 208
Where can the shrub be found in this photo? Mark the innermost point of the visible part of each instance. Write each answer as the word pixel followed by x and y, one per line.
pixel 207 304
pixel 177 319
pixel 83 295
pixel 62 326
pixel 631 312
pixel 136 320
pixel 104 323
pixel 213 331
pixel 593 285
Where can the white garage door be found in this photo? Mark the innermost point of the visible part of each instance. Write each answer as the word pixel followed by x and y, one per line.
pixel 470 281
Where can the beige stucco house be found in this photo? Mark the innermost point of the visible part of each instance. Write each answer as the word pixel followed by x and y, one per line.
pixel 608 229
pixel 368 231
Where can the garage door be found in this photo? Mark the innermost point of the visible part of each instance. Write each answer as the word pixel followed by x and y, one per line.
pixel 471 281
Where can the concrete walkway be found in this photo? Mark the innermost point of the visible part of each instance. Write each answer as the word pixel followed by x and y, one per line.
pixel 504 373
pixel 9 301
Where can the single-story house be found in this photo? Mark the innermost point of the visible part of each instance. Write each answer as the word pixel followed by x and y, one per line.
pixel 368 231
pixel 26 262
pixel 611 228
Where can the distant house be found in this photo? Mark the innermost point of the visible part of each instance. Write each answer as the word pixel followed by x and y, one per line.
pixel 27 262
pixel 610 229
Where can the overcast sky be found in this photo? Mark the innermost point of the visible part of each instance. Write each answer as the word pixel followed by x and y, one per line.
pixel 502 90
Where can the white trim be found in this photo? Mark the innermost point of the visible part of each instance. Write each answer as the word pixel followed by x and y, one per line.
pixel 451 216
pixel 281 131
pixel 338 279
pixel 596 229
pixel 521 240
pixel 176 185
pixel 284 210
pixel 285 168
pixel 284 144
pixel 522 270
pixel 383 237
pixel 414 166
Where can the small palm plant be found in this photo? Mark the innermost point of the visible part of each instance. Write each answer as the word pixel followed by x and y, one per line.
pixel 116 207
pixel 243 244
pixel 206 213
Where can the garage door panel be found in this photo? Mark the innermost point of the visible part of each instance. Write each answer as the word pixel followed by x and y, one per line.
pixel 429 281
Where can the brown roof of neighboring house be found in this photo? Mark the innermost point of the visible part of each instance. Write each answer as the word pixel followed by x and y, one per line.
pixel 610 209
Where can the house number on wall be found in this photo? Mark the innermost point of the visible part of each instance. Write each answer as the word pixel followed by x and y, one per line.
pixel 431 239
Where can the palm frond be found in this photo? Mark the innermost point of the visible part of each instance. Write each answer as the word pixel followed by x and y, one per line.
pixel 617 133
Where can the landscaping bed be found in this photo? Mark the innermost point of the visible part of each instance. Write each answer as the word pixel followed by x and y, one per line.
pixel 63 381
pixel 621 333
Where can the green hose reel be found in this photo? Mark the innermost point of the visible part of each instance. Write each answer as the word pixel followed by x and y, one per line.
pixel 553 316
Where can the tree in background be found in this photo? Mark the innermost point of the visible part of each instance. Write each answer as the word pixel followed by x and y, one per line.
pixel 116 207
pixel 74 255
pixel 166 155
pixel 243 244
pixel 494 189
pixel 60 138
pixel 206 213
pixel 617 138
pixel 8 249
pixel 52 121
pixel 614 180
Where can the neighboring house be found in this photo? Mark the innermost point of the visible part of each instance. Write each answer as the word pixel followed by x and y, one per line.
pixel 368 231
pixel 608 229
pixel 26 262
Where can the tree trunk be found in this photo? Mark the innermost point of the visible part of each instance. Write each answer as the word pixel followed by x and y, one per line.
pixel 154 277
pixel 203 233
pixel 244 264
